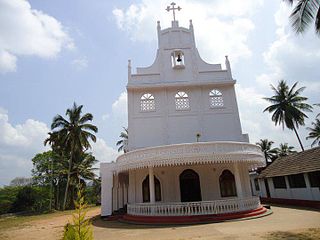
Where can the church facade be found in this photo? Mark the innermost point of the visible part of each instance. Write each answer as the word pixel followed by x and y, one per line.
pixel 186 153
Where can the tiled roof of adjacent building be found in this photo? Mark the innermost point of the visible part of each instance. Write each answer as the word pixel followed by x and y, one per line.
pixel 302 162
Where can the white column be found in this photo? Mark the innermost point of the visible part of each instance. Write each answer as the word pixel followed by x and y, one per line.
pixel 115 194
pixel 308 187
pixel 120 200
pixel 125 194
pixel 238 181
pixel 106 189
pixel 151 185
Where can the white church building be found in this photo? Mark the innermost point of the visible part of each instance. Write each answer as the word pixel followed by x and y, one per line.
pixel 187 159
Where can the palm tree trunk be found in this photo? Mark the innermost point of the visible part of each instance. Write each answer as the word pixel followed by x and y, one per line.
pixel 295 130
pixel 67 187
pixel 51 185
pixel 68 179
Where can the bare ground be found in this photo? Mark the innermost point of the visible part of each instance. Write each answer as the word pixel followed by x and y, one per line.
pixel 284 223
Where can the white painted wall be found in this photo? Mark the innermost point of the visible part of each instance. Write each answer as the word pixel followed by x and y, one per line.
pixel 166 125
pixel 107 202
pixel 307 193
pixel 170 185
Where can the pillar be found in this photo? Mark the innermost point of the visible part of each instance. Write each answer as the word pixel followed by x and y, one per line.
pixel 106 173
pixel 238 181
pixel 120 192
pixel 151 185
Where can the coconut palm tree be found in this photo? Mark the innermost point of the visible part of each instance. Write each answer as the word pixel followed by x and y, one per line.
pixel 74 134
pixel 288 107
pixel 314 132
pixel 304 13
pixel 284 150
pixel 269 153
pixel 121 143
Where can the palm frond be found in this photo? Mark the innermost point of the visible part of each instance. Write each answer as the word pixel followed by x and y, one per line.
pixel 303 14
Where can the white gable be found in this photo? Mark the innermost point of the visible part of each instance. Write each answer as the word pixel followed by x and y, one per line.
pixel 202 114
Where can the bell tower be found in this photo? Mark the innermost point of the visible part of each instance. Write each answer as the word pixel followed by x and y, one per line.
pixel 180 98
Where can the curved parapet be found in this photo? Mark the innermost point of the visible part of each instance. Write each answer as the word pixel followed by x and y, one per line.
pixel 192 153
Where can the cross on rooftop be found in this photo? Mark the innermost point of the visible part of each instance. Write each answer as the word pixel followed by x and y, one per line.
pixel 173 9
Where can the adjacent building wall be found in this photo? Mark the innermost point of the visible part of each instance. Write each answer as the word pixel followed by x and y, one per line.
pixel 307 193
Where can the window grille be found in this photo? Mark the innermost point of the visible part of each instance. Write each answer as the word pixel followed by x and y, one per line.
pixel 147 103
pixel 279 182
pixel 182 101
pixel 216 99
pixel 297 181
pixel 314 179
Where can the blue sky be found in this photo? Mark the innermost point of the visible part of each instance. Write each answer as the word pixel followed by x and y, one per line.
pixel 53 53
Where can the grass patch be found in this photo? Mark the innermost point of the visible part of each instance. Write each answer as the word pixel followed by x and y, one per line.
pixel 309 234
pixel 19 221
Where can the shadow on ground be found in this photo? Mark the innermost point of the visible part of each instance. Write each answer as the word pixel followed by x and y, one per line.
pixel 310 234
pixel 97 221
pixel 294 207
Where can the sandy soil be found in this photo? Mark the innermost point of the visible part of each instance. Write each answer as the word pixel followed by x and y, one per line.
pixel 283 219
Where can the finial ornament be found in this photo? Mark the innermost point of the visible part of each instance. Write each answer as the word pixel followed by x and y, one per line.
pixel 173 8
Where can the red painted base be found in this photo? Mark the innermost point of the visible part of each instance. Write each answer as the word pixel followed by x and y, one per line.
pixel 192 219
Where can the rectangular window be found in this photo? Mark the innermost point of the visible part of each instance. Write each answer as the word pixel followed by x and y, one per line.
pixel 256 185
pixel 314 178
pixel 279 182
pixel 297 181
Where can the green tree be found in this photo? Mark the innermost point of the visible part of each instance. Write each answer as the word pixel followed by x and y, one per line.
pixel 8 195
pixel 314 132
pixel 81 229
pixel 284 150
pixel 123 138
pixel 74 135
pixel 288 107
pixel 83 167
pixel 31 198
pixel 304 13
pixel 269 152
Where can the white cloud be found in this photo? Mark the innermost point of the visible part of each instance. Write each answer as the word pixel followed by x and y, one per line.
pixel 27 31
pixel 80 63
pixel 290 57
pixel 119 108
pixel 18 144
pixel 217 23
pixel 103 152
pixel 105 117
pixel 257 123
pixel 7 62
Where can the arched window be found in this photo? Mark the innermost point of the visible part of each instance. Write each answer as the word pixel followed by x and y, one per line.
pixel 216 99
pixel 147 103
pixel 227 184
pixel 182 101
pixel 146 189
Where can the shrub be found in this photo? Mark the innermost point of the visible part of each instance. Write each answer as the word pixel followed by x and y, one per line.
pixel 81 229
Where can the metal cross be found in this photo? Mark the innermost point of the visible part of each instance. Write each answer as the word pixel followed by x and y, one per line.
pixel 173 8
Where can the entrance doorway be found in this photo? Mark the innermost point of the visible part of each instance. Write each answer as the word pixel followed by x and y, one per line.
pixel 190 190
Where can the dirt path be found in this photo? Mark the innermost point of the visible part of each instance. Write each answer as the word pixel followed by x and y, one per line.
pixel 49 228
pixel 283 219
